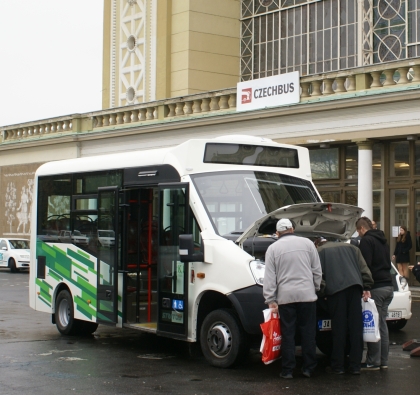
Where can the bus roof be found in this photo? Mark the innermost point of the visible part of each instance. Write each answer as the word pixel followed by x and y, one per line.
pixel 186 158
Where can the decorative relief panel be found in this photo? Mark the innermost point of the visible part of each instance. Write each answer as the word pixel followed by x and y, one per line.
pixel 17 185
pixel 136 52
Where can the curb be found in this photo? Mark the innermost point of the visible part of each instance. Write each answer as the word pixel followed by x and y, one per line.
pixel 415 292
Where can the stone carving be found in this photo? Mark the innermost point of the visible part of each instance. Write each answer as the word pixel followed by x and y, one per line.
pixel 10 204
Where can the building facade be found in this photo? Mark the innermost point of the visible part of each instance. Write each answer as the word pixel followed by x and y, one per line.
pixel 170 72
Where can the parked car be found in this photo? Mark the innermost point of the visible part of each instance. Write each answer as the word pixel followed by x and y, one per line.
pixel 106 238
pixel 335 222
pixel 14 254
pixel 75 237
pixel 399 311
pixel 50 236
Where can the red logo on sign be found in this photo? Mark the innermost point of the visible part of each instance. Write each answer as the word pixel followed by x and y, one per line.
pixel 246 96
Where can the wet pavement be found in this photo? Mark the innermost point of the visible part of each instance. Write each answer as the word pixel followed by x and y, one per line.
pixel 36 359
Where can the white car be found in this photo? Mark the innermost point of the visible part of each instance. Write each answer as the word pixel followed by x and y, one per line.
pixel 14 254
pixel 399 311
pixel 106 238
pixel 75 237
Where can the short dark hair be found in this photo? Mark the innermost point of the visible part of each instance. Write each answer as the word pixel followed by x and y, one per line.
pixel 364 222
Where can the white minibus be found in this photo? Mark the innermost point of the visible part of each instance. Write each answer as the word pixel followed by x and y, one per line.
pixel 214 196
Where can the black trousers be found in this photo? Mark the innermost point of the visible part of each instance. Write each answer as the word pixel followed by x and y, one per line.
pixel 301 316
pixel 345 309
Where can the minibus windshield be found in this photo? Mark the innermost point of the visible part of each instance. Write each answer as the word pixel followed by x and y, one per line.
pixel 234 200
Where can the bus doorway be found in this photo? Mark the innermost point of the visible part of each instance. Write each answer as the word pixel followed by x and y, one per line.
pixel 141 226
pixel 156 280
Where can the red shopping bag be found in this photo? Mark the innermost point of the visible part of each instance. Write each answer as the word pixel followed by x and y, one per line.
pixel 271 342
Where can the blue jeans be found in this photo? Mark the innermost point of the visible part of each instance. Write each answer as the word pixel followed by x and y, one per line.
pixel 377 353
pixel 303 316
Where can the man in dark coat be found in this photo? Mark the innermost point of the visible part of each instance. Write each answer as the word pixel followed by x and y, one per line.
pixel 375 251
pixel 347 279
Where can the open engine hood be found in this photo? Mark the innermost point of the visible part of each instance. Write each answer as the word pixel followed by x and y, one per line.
pixel 334 220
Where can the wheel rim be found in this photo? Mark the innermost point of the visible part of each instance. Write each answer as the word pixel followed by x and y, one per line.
pixel 64 312
pixel 219 339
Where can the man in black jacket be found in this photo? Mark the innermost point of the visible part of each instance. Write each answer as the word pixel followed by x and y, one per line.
pixel 375 250
pixel 347 279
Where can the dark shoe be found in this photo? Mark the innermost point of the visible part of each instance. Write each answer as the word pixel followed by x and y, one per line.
pixel 366 366
pixel 384 366
pixel 286 375
pixel 335 371
pixel 307 373
pixel 354 372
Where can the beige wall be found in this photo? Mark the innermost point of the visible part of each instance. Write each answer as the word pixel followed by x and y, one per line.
pixel 204 46
pixel 197 48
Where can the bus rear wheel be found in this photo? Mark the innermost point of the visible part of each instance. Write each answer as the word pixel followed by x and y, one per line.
pixel 64 314
pixel 64 317
pixel 223 340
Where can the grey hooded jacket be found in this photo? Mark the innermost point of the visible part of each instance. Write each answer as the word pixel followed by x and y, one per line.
pixel 292 271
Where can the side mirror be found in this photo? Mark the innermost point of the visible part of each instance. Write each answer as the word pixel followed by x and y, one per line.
pixel 186 250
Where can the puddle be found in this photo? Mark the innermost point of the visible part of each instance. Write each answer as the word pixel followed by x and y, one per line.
pixel 155 356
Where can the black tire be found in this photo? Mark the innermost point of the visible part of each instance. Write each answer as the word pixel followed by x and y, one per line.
pixel 12 266
pixel 64 317
pixel 223 340
pixel 64 314
pixel 324 342
pixel 396 325
pixel 87 327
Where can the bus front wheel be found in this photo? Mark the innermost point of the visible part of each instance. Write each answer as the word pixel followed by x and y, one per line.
pixel 223 340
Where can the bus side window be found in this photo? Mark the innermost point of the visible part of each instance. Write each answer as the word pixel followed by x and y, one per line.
pixel 53 206
pixel 196 232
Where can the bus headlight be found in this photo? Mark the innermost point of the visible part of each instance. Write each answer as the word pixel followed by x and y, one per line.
pixel 258 270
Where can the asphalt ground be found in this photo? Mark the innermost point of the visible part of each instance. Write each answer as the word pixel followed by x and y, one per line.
pixel 36 359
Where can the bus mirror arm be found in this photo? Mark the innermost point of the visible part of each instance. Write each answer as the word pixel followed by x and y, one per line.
pixel 186 250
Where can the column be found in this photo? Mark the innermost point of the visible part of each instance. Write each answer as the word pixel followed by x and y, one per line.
pixel 365 194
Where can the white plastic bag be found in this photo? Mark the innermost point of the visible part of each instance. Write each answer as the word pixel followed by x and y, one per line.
pixel 370 321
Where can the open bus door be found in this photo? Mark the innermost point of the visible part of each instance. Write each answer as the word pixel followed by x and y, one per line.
pixel 107 264
pixel 172 273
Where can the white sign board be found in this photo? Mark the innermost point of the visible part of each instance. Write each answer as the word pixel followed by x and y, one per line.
pixel 395 231
pixel 278 90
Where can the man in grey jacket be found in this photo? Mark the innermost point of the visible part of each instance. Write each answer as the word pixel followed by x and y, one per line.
pixel 347 279
pixel 292 277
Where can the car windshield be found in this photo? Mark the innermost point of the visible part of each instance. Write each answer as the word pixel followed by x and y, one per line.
pixel 235 200
pixel 19 244
pixel 106 233
pixel 77 233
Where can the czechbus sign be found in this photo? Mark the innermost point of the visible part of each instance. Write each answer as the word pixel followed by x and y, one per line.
pixel 278 90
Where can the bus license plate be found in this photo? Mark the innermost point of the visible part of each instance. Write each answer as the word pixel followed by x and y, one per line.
pixel 324 325
pixel 392 315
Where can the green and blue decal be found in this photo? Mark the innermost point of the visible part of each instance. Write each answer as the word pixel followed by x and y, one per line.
pixel 69 264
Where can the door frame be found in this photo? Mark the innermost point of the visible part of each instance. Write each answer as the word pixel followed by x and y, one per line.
pixel 166 301
pixel 108 292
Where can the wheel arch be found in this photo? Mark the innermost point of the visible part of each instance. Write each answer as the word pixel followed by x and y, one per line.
pixel 60 287
pixel 210 301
